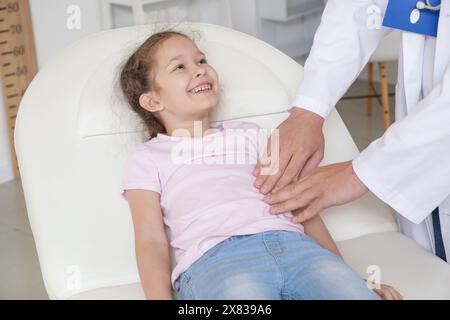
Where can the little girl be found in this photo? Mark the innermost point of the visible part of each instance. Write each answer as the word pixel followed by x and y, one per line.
pixel 195 177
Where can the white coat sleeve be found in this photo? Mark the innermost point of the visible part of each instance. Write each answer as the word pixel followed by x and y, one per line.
pixel 345 40
pixel 409 166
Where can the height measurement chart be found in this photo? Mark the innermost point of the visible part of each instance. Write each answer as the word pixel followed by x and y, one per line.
pixel 17 59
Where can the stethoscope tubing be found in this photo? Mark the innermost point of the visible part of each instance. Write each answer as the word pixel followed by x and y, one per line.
pixel 427 5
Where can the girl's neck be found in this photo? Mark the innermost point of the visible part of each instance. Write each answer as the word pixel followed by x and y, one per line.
pixel 194 128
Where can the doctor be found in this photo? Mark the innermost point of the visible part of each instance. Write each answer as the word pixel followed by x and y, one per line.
pixel 409 166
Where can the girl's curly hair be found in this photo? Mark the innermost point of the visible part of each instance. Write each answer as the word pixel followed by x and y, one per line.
pixel 136 78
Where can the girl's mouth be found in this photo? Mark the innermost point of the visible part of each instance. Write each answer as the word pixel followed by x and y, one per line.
pixel 201 88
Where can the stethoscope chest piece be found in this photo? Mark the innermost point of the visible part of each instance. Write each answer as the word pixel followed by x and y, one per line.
pixel 415 14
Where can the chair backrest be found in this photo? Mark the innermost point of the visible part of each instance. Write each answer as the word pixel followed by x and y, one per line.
pixel 74 132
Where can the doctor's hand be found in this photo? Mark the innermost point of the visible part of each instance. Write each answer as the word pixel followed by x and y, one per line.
pixel 320 189
pixel 302 147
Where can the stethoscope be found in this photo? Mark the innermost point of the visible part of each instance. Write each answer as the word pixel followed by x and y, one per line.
pixel 427 5
pixel 420 5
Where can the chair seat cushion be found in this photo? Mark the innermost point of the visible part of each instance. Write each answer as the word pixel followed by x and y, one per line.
pixel 412 270
pixel 132 291
pixel 403 264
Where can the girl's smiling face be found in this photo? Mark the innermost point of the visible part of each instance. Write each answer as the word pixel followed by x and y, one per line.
pixel 185 85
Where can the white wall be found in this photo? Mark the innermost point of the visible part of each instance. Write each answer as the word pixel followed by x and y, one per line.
pixel 51 34
pixel 245 16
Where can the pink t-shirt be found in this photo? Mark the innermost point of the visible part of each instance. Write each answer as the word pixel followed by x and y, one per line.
pixel 206 187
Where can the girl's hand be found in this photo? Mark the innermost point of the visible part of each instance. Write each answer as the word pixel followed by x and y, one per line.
pixel 388 293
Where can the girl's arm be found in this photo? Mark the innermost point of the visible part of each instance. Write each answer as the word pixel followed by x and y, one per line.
pixel 151 244
pixel 316 229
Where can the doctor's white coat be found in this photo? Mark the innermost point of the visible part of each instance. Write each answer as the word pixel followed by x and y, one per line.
pixel 409 166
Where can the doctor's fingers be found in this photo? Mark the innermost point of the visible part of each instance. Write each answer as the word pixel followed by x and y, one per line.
pixel 312 163
pixel 257 171
pixel 263 163
pixel 289 192
pixel 294 167
pixel 272 171
pixel 297 203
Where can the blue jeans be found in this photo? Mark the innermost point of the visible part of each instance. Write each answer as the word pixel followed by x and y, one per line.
pixel 273 265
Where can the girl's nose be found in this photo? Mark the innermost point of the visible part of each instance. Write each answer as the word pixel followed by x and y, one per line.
pixel 200 72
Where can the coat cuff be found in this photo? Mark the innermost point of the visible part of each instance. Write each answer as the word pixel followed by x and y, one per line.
pixel 386 191
pixel 312 105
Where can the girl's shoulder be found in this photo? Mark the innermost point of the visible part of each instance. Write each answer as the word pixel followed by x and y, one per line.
pixel 139 151
pixel 144 152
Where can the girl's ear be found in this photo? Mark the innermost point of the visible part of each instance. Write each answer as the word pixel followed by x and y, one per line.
pixel 150 101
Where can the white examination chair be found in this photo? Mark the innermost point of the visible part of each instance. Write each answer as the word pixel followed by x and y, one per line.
pixel 74 132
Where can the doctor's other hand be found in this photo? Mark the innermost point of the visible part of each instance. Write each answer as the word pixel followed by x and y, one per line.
pixel 320 189
pixel 302 148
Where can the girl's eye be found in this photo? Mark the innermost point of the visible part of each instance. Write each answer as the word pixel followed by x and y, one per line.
pixel 203 61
